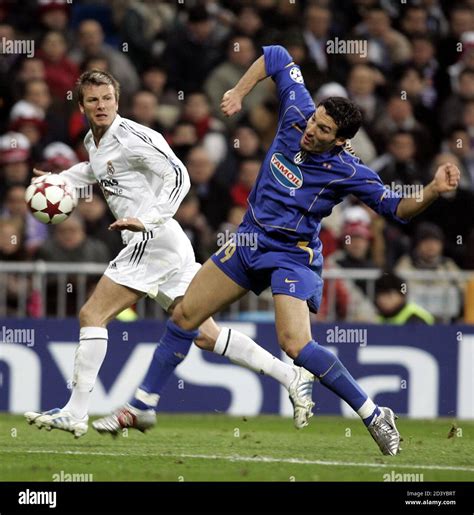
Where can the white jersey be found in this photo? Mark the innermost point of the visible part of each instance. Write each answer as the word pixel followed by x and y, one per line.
pixel 139 174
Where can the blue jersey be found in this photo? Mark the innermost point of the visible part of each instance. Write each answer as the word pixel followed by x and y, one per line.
pixel 278 243
pixel 295 189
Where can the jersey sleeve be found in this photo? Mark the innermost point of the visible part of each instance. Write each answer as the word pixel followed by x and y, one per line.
pixel 79 175
pixel 367 186
pixel 288 79
pixel 176 183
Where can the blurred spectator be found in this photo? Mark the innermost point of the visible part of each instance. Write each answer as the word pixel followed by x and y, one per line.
pixel 459 206
pixel 468 121
pixel 214 198
pixel 240 55
pixel 451 110
pixel 316 33
pixel 14 161
pixel 7 59
pixel 197 110
pixel 57 157
pixel 398 166
pixel 249 23
pixel 264 119
pixel 234 218
pixel 356 237
pixel 155 80
pixel 144 110
pixel 29 120
pixel 11 249
pixel 414 20
pixel 392 305
pixel 70 244
pixel 11 240
pixel 244 143
pixel 97 218
pixel 61 72
pixel 361 85
pixel 461 20
pixel 54 14
pixel 196 227
pixel 436 20
pixel 248 172
pixel 386 46
pixel 466 61
pixel 442 297
pixel 144 26
pixel 35 233
pixel 398 115
pixel 417 90
pixel 90 43
pixel 183 138
pixel 457 143
pixel 30 69
pixel 193 50
pixel 436 81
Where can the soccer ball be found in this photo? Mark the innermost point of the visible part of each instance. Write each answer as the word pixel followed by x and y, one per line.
pixel 50 198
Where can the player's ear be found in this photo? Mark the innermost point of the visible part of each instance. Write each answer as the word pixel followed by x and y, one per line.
pixel 340 141
pixel 81 108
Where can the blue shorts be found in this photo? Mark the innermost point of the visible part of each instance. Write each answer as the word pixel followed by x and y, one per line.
pixel 256 261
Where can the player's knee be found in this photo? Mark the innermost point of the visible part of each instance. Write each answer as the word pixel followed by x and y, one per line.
pixel 182 318
pixel 290 343
pixel 90 317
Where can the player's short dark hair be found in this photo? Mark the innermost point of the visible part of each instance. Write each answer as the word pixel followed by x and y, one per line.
pixel 346 114
pixel 96 78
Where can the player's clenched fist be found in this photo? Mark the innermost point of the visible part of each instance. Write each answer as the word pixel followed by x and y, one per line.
pixel 231 102
pixel 447 178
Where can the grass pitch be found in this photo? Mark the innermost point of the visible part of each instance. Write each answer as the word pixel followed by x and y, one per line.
pixel 222 448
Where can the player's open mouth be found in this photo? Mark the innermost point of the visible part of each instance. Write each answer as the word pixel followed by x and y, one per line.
pixel 306 140
pixel 101 116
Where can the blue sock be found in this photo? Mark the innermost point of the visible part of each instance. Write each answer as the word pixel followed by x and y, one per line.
pixel 169 353
pixel 327 367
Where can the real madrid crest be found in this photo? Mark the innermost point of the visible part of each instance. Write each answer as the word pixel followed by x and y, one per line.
pixel 299 157
pixel 110 168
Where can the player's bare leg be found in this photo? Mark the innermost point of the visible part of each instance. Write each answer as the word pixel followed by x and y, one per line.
pixel 294 336
pixel 210 291
pixel 107 301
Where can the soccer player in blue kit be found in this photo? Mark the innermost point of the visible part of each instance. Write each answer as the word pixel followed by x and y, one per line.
pixel 306 172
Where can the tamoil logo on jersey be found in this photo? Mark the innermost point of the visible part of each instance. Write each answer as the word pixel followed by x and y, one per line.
pixel 285 172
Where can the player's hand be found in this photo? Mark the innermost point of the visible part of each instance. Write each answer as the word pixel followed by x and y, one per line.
pixel 231 102
pixel 39 173
pixel 127 224
pixel 446 178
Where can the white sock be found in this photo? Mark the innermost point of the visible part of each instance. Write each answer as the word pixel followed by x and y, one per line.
pixel 242 350
pixel 366 409
pixel 89 357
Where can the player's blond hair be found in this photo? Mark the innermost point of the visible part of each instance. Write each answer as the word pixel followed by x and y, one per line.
pixel 96 78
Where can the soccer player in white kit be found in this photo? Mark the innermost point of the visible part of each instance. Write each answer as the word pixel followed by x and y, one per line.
pixel 144 183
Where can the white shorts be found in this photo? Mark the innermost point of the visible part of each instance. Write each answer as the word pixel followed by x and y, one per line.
pixel 159 263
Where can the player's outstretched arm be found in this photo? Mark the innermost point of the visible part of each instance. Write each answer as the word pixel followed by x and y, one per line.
pixel 232 99
pixel 446 179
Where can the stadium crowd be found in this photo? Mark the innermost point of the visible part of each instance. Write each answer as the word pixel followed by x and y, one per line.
pixel 410 69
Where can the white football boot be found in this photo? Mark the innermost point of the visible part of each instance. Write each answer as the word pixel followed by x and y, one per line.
pixel 301 391
pixel 126 417
pixel 58 419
